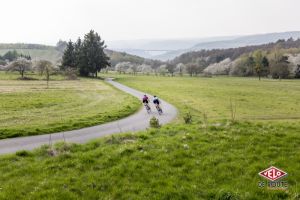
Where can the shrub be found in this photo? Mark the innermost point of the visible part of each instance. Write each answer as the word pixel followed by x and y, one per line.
pixel 71 74
pixel 226 195
pixel 297 71
pixel 154 123
pixel 187 118
pixel 23 153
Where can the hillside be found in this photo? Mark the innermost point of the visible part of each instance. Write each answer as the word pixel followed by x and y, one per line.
pixel 148 48
pixel 247 40
pixel 116 57
pixel 36 51
pixel 232 43
pixel 217 55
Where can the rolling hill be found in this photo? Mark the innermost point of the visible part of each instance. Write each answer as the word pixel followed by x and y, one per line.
pixel 170 48
pixel 36 51
pixel 233 43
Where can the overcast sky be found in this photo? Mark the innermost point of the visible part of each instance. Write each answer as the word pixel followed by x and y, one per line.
pixel 46 21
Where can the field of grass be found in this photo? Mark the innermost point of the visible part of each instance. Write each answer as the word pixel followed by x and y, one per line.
pixel 16 76
pixel 217 159
pixel 253 99
pixel 28 108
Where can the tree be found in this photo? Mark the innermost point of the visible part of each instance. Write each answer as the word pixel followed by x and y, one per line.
pixel 261 64
pixel 180 69
pixel 265 70
pixel 87 56
pixel 134 69
pixel 61 45
pixel 68 59
pixel 45 67
pixel 244 66
pixel 21 65
pixel 221 68
pixel 258 59
pixel 77 51
pixel 279 65
pixel 171 68
pixel 201 65
pixel 2 63
pixel 92 58
pixel 191 68
pixel 145 69
pixel 163 70
pixel 11 55
pixel 297 71
pixel 279 68
pixel 122 67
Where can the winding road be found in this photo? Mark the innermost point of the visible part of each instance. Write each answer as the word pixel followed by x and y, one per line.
pixel 136 122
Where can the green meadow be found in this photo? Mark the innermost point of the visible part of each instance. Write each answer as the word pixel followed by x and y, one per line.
pixel 28 108
pixel 213 157
pixel 252 99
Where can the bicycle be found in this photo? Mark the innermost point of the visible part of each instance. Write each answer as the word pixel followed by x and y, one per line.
pixel 148 109
pixel 158 108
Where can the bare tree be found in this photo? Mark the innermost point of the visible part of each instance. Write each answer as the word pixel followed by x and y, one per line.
pixel 45 67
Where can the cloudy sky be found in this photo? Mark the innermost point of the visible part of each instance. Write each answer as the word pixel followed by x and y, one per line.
pixel 46 21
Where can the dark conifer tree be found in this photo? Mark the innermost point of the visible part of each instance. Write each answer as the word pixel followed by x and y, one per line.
pixel 68 59
pixel 92 58
pixel 87 56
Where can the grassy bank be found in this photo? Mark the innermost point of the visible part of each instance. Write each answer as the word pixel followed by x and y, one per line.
pixel 175 162
pixel 28 108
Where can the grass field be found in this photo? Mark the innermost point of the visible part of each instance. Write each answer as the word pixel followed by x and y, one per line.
pixel 28 108
pixel 217 159
pixel 254 100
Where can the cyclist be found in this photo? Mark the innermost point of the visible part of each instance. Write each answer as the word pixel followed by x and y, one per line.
pixel 156 102
pixel 146 103
pixel 145 99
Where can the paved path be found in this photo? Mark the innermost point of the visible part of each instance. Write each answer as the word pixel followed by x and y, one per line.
pixel 136 122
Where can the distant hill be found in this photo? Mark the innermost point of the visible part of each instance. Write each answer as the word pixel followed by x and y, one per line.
pixel 232 43
pixel 247 40
pixel 36 51
pixel 116 57
pixel 217 55
pixel 151 48
pixel 161 44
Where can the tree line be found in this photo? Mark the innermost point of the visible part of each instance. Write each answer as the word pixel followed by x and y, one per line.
pixel 217 55
pixel 88 56
pixel 13 55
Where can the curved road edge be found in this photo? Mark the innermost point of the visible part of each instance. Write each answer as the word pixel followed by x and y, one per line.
pixel 136 122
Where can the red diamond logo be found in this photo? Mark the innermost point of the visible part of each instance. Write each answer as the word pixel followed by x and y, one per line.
pixel 272 173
